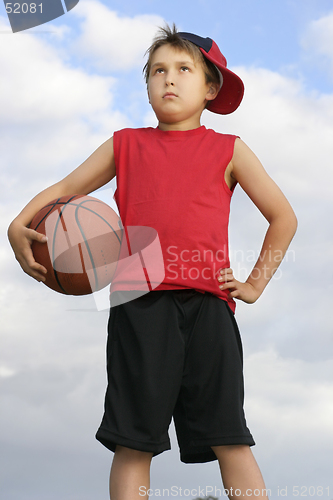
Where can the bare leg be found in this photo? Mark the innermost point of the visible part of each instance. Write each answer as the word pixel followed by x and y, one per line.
pixel 130 474
pixel 239 471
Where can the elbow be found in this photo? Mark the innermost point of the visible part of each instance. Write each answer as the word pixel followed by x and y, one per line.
pixel 290 225
pixel 286 221
pixel 296 224
pixel 293 223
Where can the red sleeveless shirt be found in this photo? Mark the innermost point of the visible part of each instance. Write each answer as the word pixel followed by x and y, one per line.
pixel 173 181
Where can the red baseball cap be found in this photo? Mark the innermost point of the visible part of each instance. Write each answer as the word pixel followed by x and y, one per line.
pixel 231 93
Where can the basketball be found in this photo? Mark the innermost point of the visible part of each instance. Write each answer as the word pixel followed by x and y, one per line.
pixel 84 237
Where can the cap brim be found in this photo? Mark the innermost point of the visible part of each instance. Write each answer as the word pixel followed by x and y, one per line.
pixel 232 91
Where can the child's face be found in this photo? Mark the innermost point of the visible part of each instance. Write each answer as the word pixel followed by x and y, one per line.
pixel 177 88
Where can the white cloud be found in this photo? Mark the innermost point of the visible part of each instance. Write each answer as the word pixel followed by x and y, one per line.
pixel 289 409
pixel 294 396
pixel 121 41
pixel 40 86
pixel 6 372
pixel 53 115
pixel 289 130
pixel 318 41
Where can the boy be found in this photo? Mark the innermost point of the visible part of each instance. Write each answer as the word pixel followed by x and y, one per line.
pixel 176 350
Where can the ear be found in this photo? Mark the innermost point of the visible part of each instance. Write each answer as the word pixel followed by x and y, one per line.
pixel 212 91
pixel 148 95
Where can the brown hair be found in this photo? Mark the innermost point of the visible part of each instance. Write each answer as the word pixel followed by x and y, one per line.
pixel 169 36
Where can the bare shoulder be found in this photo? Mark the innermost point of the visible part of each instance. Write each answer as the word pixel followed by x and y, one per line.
pixel 249 172
pixel 244 160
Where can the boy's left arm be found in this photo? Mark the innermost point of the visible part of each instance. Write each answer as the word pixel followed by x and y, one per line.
pixel 247 170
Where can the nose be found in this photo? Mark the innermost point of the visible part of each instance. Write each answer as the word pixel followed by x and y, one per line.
pixel 169 79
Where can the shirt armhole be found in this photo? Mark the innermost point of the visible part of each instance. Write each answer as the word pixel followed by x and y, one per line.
pixel 232 148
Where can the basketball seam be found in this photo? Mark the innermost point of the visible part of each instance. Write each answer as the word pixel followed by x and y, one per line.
pixel 53 249
pixel 87 246
pixel 61 207
pixel 100 216
pixel 52 205
pixel 85 208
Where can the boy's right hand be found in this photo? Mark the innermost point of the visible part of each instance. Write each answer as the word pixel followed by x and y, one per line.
pixel 21 238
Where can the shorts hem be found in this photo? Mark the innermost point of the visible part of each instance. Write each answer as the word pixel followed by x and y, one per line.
pixel 201 452
pixel 110 440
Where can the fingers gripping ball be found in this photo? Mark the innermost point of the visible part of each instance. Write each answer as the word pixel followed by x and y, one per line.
pixel 84 236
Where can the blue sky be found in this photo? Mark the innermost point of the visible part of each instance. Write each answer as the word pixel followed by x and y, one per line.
pixel 66 87
pixel 263 32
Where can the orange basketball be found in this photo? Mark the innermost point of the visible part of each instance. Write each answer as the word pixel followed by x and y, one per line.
pixel 84 236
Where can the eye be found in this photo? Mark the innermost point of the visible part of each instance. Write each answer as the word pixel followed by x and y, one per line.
pixel 185 68
pixel 159 70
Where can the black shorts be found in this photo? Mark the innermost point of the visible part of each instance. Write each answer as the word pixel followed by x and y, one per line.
pixel 174 353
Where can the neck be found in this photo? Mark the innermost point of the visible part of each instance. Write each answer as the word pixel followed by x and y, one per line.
pixel 184 125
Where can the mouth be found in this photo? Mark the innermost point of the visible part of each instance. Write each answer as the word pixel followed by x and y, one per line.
pixel 169 95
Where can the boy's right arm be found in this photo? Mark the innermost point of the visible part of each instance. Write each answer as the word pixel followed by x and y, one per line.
pixel 93 173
